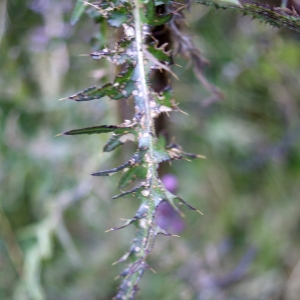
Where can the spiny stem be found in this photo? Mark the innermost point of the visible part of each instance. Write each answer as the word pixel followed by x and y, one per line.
pixel 280 17
pixel 145 236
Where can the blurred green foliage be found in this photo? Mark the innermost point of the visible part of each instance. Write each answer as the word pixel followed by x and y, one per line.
pixel 53 214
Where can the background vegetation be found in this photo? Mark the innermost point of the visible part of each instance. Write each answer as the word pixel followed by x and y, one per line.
pixel 53 214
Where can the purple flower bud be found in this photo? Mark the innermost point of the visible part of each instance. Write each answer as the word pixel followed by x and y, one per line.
pixel 166 217
pixel 170 181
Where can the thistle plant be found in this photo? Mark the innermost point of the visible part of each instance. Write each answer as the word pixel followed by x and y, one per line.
pixel 140 56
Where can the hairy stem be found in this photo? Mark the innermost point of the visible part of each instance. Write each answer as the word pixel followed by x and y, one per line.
pixel 146 233
pixel 140 54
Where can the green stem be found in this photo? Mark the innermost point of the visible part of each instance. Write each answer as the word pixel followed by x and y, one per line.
pixel 146 232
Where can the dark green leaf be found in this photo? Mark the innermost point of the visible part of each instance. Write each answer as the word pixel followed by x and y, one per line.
pixel 160 151
pixel 135 159
pixel 122 88
pixel 92 130
pixel 160 53
pixel 121 53
pixel 132 174
pixel 118 17
pixel 118 140
pixel 165 100
pixel 130 192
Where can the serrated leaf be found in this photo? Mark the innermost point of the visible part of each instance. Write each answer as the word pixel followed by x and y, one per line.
pixel 78 11
pixel 130 192
pixel 160 53
pixel 131 174
pixel 172 198
pixel 118 17
pixel 117 140
pixel 151 18
pixel 121 53
pixel 160 152
pixel 122 88
pixel 165 100
pixel 181 201
pixel 135 159
pixel 158 20
pixel 93 130
pixel 112 143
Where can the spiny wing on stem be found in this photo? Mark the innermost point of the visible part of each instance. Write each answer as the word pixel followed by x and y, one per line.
pixel 136 159
pixel 121 88
pixel 276 16
pixel 117 140
pixel 122 53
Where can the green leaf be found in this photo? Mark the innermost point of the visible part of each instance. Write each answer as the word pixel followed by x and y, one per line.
pixel 118 16
pixel 160 53
pixel 160 151
pixel 165 100
pixel 121 88
pixel 78 11
pixel 130 192
pixel 121 53
pixel 96 129
pixel 131 174
pixel 135 159
pixel 150 16
pixel 117 140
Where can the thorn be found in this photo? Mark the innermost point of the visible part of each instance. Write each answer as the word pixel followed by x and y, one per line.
pixel 197 210
pixel 61 99
pixel 111 229
pixel 84 55
pixel 175 235
pixel 88 3
pixel 177 65
pixel 58 134
pixel 201 156
pixel 179 8
pixel 185 113
pixel 174 75
pixel 152 270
